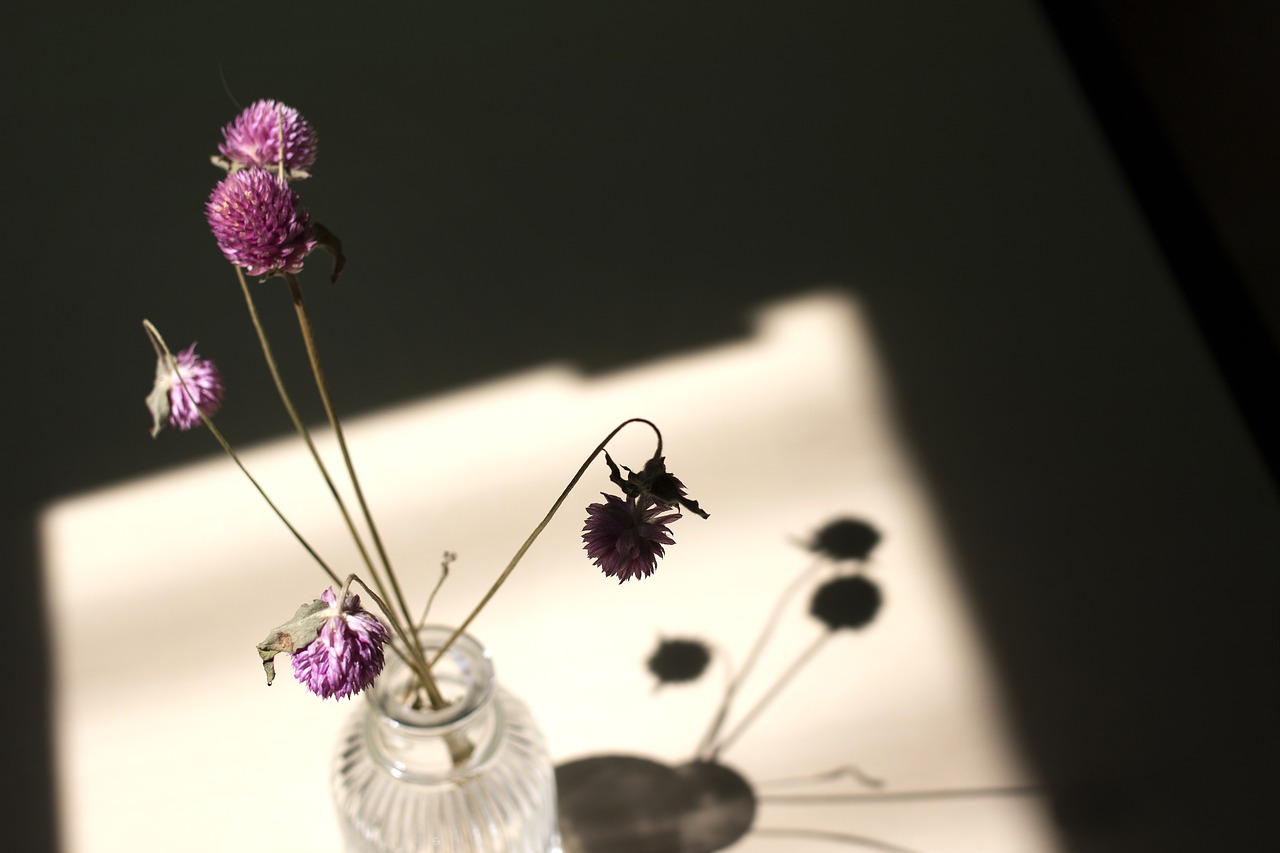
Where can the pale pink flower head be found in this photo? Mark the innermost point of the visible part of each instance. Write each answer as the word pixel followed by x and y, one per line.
pixel 258 223
pixel 253 138
pixel 179 396
pixel 624 537
pixel 346 655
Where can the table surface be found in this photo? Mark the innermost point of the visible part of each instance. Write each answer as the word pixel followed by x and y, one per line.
pixel 159 588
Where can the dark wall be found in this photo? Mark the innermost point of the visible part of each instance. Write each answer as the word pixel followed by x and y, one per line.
pixel 605 183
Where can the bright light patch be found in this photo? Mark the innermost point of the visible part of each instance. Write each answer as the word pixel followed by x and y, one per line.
pixel 161 743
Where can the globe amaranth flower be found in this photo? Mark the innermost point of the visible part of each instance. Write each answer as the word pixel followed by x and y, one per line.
pixel 624 536
pixel 258 223
pixel 179 396
pixel 253 139
pixel 346 655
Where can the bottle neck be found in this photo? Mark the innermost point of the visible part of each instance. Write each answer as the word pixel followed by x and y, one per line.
pixel 417 743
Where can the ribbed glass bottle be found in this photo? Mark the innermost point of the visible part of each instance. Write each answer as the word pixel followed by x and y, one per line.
pixel 401 784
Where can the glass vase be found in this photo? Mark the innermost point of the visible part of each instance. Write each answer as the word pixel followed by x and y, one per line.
pixel 473 777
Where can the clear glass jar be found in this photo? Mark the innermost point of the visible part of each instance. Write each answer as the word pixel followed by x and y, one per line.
pixel 474 776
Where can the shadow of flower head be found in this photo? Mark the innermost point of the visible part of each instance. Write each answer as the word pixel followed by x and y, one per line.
pixel 676 661
pixel 846 602
pixel 845 539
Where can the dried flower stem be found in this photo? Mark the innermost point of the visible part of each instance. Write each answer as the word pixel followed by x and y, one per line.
pixel 313 355
pixel 419 660
pixel 541 526
pixel 297 421
pixel 445 562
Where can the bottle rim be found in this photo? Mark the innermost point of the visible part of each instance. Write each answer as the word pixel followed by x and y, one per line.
pixel 465 676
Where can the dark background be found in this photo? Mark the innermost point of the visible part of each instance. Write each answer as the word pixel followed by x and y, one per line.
pixel 1060 218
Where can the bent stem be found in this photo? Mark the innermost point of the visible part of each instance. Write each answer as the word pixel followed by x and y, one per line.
pixel 520 552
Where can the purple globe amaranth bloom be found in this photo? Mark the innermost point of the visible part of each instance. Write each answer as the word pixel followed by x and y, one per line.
pixel 258 223
pixel 346 655
pixel 179 396
pixel 253 139
pixel 624 536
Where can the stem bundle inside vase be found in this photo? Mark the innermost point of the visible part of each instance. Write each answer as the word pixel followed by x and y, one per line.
pixel 336 645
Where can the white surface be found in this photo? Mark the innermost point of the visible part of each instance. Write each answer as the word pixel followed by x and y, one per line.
pixel 169 739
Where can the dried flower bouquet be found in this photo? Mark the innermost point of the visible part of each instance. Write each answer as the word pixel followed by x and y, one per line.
pixel 336 645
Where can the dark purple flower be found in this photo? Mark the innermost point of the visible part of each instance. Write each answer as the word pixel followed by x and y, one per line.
pixel 253 139
pixel 258 224
pixel 179 406
pixel 346 655
pixel 624 537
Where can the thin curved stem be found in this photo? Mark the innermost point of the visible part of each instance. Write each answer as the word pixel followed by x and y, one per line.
pixel 770 625
pixel 445 562
pixel 161 347
pixel 520 552
pixel 769 695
